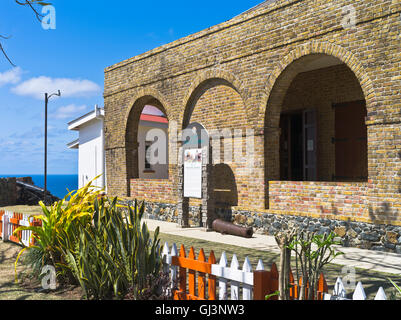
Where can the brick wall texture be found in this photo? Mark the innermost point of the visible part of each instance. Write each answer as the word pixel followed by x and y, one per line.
pixel 242 74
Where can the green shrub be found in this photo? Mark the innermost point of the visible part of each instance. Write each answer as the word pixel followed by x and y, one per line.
pixel 100 245
pixel 60 227
pixel 115 254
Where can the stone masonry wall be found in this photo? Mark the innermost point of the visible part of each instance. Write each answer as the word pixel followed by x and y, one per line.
pixel 237 74
pixel 8 192
pixel 381 237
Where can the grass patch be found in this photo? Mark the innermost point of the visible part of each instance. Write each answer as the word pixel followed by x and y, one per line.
pixel 26 289
pixel 37 210
pixel 32 210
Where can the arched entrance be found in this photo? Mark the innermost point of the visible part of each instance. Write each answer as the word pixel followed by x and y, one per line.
pixel 316 132
pixel 211 103
pixel 146 141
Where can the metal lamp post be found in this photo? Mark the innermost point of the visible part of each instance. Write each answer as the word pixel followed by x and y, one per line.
pixel 47 97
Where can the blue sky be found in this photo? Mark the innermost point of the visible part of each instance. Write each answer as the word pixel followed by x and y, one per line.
pixel 89 36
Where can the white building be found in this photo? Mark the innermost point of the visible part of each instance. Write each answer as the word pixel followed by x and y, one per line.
pixel 90 145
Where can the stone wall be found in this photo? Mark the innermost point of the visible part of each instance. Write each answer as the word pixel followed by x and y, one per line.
pixel 381 237
pixel 13 192
pixel 8 192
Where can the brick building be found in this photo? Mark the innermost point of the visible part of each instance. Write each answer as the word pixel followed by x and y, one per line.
pixel 318 86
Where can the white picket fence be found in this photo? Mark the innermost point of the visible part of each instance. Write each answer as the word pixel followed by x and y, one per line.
pixel 340 293
pixel 230 278
pixel 7 227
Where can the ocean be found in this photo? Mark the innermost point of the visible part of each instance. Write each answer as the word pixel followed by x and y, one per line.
pixel 57 184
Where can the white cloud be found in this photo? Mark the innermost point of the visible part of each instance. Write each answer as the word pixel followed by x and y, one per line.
pixel 69 111
pixel 70 88
pixel 12 76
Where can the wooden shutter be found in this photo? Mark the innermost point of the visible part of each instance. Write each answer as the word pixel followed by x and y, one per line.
pixel 351 141
pixel 285 148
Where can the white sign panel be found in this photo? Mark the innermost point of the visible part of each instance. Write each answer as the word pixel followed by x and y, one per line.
pixel 193 173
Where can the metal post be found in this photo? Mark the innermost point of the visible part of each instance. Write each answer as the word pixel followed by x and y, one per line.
pixel 45 186
pixel 47 97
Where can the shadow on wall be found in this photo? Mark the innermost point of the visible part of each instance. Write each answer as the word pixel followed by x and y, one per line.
pixel 399 173
pixel 333 209
pixel 224 191
pixel 385 211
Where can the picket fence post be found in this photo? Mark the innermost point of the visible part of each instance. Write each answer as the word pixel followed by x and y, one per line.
pixel 222 281
pixel 247 289
pixel 4 230
pixel 359 293
pixel 168 267
pixel 212 279
pixel 339 289
pixel 25 234
pixel 339 293
pixel 261 286
pixel 166 258
pixel 234 284
pixel 1 223
pixel 380 295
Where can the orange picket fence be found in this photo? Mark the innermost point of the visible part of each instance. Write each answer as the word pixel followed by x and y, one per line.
pixel 201 266
pixel 198 278
pixel 10 221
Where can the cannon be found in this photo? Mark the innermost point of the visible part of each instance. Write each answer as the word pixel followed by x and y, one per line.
pixel 226 227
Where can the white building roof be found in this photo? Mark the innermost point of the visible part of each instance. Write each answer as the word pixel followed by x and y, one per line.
pixel 97 113
pixel 73 144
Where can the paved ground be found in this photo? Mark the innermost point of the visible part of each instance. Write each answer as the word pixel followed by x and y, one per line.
pixel 353 257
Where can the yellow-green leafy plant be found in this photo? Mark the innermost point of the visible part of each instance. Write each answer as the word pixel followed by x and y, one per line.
pixel 397 295
pixel 60 227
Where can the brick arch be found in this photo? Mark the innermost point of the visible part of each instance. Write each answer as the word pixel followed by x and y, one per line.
pixel 220 77
pixel 131 124
pixel 277 87
pixel 148 93
pixel 286 70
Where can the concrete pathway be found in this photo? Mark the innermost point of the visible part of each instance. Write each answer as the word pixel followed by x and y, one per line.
pixel 352 257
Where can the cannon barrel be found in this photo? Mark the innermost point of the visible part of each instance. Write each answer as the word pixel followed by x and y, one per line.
pixel 232 229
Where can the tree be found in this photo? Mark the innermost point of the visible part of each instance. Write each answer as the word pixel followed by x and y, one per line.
pixel 312 252
pixel 33 5
pixel 284 240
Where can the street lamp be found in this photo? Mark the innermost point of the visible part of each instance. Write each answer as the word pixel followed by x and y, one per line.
pixel 47 97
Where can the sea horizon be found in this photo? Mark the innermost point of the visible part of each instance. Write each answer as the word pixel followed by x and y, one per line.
pixel 57 184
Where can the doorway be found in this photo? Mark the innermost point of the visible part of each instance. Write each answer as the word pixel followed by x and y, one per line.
pixel 298 146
